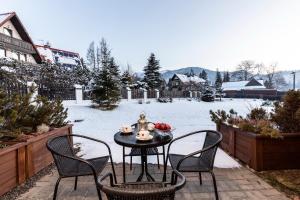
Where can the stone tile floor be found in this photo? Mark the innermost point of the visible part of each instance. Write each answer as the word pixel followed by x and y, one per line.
pixel 237 183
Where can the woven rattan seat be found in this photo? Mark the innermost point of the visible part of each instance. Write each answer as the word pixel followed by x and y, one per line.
pixel 142 190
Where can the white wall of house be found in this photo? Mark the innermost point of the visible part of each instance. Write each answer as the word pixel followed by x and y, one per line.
pixel 10 53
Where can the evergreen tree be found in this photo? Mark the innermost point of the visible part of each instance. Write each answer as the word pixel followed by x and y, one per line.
pixel 126 78
pixel 91 57
pixel 106 91
pixel 226 77
pixel 82 73
pixel 218 84
pixel 203 75
pixel 152 74
pixel 192 73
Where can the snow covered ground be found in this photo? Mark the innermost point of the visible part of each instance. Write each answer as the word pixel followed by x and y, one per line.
pixel 185 116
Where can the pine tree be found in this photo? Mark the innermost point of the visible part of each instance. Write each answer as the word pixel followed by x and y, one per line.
pixel 218 84
pixel 91 57
pixel 152 74
pixel 106 91
pixel 203 75
pixel 226 77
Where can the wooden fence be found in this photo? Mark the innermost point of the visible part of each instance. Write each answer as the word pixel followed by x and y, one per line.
pixel 11 87
pixel 58 93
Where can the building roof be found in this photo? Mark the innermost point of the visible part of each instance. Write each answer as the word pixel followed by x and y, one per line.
pixel 186 79
pixel 12 16
pixel 48 55
pixel 243 85
pixel 55 49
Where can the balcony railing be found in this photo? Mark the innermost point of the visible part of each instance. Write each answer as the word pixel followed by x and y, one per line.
pixel 16 44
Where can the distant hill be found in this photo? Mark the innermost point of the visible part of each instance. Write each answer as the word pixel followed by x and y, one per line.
pixel 211 74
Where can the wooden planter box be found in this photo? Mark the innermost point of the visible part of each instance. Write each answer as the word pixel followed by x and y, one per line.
pixel 24 159
pixel 12 166
pixel 37 155
pixel 261 152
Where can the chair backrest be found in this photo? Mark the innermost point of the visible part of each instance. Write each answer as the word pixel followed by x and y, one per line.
pixel 212 139
pixel 139 192
pixel 59 147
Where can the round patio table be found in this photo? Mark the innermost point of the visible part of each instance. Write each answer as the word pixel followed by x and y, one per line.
pixel 129 140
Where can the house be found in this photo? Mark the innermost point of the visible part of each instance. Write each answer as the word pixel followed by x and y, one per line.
pixel 243 85
pixel 15 41
pixel 66 58
pixel 181 82
pixel 250 89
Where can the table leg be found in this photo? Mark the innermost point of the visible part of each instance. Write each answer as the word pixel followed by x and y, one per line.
pixel 142 165
pixel 148 176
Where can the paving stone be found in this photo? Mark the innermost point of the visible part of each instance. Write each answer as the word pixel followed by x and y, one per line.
pixel 239 183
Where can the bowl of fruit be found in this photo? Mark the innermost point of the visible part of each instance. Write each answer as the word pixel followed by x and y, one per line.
pixel 162 127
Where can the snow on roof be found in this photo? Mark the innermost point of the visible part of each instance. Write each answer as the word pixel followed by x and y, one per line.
pixel 46 53
pixel 67 60
pixel 241 85
pixel 185 78
pixel 4 16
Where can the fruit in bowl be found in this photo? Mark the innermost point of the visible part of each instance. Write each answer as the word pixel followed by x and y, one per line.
pixel 163 126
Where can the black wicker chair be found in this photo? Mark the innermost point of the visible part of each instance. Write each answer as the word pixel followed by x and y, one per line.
pixel 70 165
pixel 142 190
pixel 199 161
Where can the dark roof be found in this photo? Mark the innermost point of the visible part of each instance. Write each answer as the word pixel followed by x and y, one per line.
pixel 15 20
pixel 253 82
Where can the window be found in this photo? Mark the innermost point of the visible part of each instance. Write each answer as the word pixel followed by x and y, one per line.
pixel 2 53
pixel 8 32
pixel 23 57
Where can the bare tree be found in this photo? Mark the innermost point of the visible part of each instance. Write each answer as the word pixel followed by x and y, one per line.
pixel 245 70
pixel 270 75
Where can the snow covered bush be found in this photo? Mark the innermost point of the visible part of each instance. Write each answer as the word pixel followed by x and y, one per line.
pixel 257 121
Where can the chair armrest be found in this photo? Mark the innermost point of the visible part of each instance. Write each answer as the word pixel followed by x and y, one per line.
pixel 182 180
pixel 195 153
pixel 183 136
pixel 104 177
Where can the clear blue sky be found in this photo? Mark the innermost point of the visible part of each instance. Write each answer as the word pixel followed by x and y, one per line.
pixel 208 33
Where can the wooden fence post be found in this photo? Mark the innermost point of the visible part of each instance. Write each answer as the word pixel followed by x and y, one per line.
pixel 128 93
pixel 191 94
pixel 78 93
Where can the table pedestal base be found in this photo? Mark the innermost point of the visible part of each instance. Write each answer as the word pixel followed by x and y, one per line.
pixel 144 167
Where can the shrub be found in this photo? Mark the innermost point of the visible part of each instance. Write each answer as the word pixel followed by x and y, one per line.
pixel 258 114
pixel 286 115
pixel 21 115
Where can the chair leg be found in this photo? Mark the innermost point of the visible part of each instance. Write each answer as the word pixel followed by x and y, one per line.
pixel 56 188
pixel 215 185
pixel 97 187
pixel 114 172
pixel 158 165
pixel 200 178
pixel 130 163
pixel 75 186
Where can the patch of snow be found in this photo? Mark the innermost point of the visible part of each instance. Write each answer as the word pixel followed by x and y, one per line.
pixel 241 85
pixel 185 116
